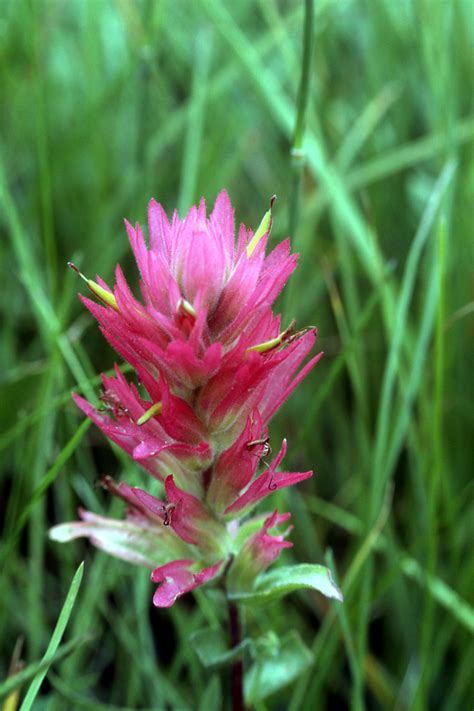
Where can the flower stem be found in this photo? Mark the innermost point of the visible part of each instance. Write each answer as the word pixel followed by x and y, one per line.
pixel 237 670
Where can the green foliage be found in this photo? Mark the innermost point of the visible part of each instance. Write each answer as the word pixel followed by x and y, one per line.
pixel 212 647
pixel 212 697
pixel 272 663
pixel 109 103
pixel 286 579
pixel 276 665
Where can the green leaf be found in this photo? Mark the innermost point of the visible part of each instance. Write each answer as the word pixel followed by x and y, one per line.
pixel 212 698
pixel 286 579
pixel 274 670
pixel 55 639
pixel 212 647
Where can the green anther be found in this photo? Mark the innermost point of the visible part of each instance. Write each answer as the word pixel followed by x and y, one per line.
pixel 105 296
pixel 187 307
pixel 264 227
pixel 273 342
pixel 102 294
pixel 153 410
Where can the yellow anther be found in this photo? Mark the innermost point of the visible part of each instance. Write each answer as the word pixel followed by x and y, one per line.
pixel 102 294
pixel 105 296
pixel 187 307
pixel 153 410
pixel 264 227
pixel 273 342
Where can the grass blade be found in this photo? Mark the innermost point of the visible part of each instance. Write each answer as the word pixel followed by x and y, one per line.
pixel 55 639
pixel 44 484
pixel 13 682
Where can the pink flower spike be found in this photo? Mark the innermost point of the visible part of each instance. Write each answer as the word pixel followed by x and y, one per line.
pixel 212 364
pixel 177 578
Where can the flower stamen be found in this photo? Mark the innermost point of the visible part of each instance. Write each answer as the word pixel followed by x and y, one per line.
pixel 105 296
pixel 273 343
pixel 264 227
pixel 184 305
pixel 151 412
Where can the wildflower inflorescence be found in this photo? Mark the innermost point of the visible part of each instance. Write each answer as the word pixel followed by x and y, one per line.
pixel 214 364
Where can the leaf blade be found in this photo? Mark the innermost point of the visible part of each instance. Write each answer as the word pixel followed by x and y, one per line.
pixel 56 637
pixel 286 579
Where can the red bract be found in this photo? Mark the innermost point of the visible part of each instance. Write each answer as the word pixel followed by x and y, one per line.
pixel 214 365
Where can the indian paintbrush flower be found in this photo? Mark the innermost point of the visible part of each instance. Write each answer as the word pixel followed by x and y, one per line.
pixel 214 365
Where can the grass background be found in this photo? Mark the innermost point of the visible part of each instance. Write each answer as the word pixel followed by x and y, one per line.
pixel 108 102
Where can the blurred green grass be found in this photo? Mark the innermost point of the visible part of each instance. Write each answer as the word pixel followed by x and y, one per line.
pixel 107 103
